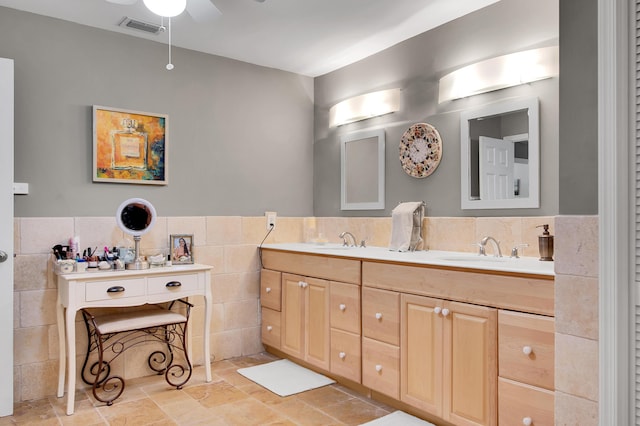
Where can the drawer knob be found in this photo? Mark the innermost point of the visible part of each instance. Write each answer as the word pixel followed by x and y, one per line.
pixel 343 306
pixel 378 316
pixel 378 368
pixel 342 355
pixel 268 290
pixel 172 284
pixel 445 312
pixel 437 309
pixel 269 328
pixel 527 350
pixel 302 284
pixel 527 421
pixel 115 289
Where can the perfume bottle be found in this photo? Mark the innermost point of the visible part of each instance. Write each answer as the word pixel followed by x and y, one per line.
pixel 129 147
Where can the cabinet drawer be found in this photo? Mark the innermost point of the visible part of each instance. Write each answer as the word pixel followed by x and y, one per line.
pixel 173 284
pixel 346 358
pixel 270 289
pixel 345 307
pixel 526 348
pixel 518 401
pixel 381 315
pixel 381 367
pixel 114 289
pixel 271 327
pixel 325 267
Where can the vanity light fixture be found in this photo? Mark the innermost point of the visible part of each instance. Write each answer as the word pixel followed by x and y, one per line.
pixel 166 9
pixel 364 106
pixel 499 73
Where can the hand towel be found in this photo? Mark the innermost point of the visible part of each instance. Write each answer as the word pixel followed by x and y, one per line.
pixel 402 225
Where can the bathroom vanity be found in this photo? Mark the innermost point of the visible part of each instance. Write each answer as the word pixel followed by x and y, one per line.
pixel 446 336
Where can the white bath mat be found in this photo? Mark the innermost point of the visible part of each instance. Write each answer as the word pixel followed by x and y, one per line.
pixel 398 418
pixel 284 377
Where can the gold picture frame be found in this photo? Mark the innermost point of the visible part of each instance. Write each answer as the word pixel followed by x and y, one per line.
pixel 129 146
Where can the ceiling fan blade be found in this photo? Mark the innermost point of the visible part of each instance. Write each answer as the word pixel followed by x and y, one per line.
pixel 124 2
pixel 202 10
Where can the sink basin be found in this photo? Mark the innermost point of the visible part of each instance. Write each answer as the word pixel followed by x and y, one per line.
pixel 474 258
pixel 332 247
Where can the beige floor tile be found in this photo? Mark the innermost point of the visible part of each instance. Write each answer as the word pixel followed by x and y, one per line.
pixel 324 396
pixel 215 394
pixel 229 400
pixel 354 411
pixel 303 414
pixel 135 413
pixel 249 412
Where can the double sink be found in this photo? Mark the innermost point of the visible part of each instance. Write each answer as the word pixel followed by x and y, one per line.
pixel 531 265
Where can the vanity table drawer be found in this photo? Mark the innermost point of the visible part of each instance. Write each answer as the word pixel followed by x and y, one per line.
pixel 112 289
pixel 173 284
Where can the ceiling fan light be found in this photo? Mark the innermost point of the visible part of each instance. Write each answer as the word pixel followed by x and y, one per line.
pixel 166 8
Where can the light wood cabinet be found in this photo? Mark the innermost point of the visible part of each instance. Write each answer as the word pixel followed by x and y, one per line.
pixel 467 346
pixel 344 313
pixel 381 367
pixel 381 315
pixel 305 330
pixel 270 302
pixel 526 383
pixel 449 359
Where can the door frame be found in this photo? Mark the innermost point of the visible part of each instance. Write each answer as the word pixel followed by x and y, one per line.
pixel 6 233
pixel 614 212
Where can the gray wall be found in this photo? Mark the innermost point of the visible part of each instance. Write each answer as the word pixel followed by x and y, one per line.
pixel 578 180
pixel 237 132
pixel 415 66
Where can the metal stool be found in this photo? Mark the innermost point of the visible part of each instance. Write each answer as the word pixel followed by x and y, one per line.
pixel 111 335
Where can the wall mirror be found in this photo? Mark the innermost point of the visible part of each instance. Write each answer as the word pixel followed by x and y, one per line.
pixel 362 170
pixel 500 156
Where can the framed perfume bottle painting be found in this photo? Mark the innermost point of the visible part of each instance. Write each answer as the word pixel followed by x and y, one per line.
pixel 129 146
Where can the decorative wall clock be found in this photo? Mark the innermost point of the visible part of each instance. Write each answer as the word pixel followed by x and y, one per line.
pixel 420 150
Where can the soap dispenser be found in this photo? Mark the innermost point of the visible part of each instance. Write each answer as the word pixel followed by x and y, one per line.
pixel 545 243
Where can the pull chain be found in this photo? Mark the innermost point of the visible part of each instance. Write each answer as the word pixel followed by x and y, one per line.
pixel 169 65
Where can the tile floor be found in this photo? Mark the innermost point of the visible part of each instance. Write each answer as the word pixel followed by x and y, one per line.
pixel 230 399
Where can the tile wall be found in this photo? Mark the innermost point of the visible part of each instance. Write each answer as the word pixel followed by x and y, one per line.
pixel 576 357
pixel 229 244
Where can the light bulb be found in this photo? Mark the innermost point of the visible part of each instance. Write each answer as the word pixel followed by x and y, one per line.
pixel 169 67
pixel 166 8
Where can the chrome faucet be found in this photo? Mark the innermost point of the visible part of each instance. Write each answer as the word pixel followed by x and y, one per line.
pixel 344 236
pixel 496 246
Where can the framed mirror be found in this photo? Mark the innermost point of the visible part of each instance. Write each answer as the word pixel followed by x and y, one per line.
pixel 362 170
pixel 136 217
pixel 500 156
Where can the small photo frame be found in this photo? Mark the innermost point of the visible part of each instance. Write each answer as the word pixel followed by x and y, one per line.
pixel 181 246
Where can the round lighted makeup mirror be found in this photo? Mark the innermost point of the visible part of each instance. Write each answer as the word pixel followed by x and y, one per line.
pixel 136 217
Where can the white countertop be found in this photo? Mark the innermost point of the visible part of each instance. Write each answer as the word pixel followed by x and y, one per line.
pixel 523 265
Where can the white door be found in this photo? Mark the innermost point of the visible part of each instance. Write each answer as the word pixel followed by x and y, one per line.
pixel 496 169
pixel 6 236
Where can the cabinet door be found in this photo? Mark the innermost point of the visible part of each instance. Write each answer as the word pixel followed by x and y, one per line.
pixel 292 325
pixel 317 322
pixel 421 351
pixel 470 333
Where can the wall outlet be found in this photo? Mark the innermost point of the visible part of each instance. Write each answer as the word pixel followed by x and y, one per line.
pixel 271 220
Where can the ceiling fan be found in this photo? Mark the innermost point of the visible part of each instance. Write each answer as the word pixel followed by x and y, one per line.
pixel 199 10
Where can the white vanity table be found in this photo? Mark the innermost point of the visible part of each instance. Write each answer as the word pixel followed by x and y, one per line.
pixel 120 289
